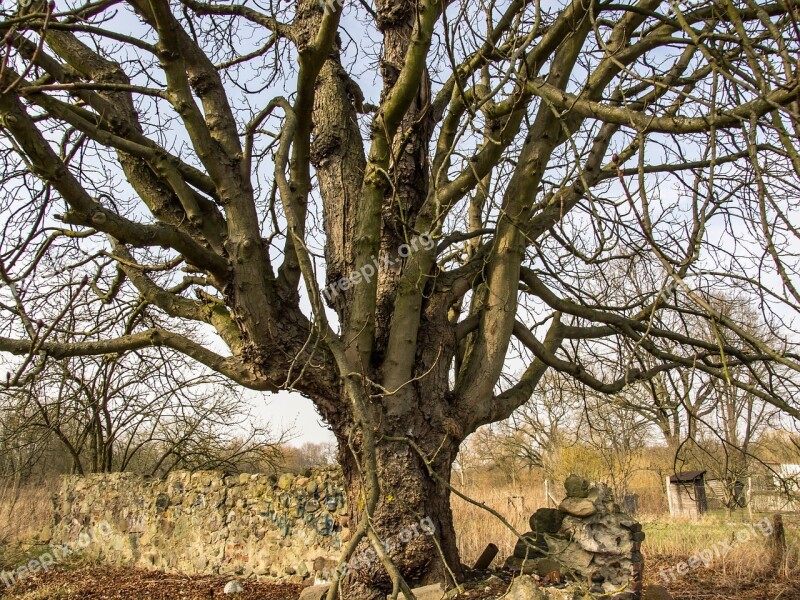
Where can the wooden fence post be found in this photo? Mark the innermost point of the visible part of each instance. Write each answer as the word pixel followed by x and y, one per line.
pixel 779 544
pixel 486 558
pixel 669 497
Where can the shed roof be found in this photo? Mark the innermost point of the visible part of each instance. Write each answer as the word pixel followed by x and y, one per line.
pixel 686 476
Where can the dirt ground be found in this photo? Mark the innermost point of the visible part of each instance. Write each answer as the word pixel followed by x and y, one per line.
pixel 93 582
pixel 105 583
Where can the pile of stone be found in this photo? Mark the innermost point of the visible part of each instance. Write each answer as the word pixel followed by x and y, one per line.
pixel 587 540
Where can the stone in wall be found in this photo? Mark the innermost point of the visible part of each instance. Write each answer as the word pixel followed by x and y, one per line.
pixel 287 528
pixel 588 538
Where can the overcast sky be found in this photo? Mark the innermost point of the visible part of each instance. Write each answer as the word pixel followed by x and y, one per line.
pixel 290 409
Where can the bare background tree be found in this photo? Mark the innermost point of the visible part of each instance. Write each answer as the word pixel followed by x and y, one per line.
pixel 148 411
pixel 473 184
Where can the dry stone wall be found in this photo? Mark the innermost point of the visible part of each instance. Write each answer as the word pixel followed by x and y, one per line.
pixel 290 527
pixel 293 528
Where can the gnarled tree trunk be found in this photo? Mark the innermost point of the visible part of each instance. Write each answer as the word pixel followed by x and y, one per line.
pixel 412 518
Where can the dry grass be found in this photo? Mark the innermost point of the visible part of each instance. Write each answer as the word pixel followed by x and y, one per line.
pixel 746 571
pixel 722 582
pixel 749 552
pixel 476 528
pixel 24 512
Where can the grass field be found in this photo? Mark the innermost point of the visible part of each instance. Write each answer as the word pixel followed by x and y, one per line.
pixel 25 513
pixel 738 556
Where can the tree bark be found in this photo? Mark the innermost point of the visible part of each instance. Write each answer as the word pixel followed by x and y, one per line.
pixel 413 517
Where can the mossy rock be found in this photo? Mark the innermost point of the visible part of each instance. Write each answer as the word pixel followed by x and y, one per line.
pixel 530 545
pixel 546 520
pixel 576 487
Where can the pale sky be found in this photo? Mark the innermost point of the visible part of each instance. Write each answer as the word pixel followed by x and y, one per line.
pixel 290 409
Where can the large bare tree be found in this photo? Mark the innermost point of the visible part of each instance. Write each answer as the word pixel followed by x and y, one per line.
pixel 437 210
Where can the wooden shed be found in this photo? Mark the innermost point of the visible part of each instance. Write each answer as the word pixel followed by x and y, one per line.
pixel 686 494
